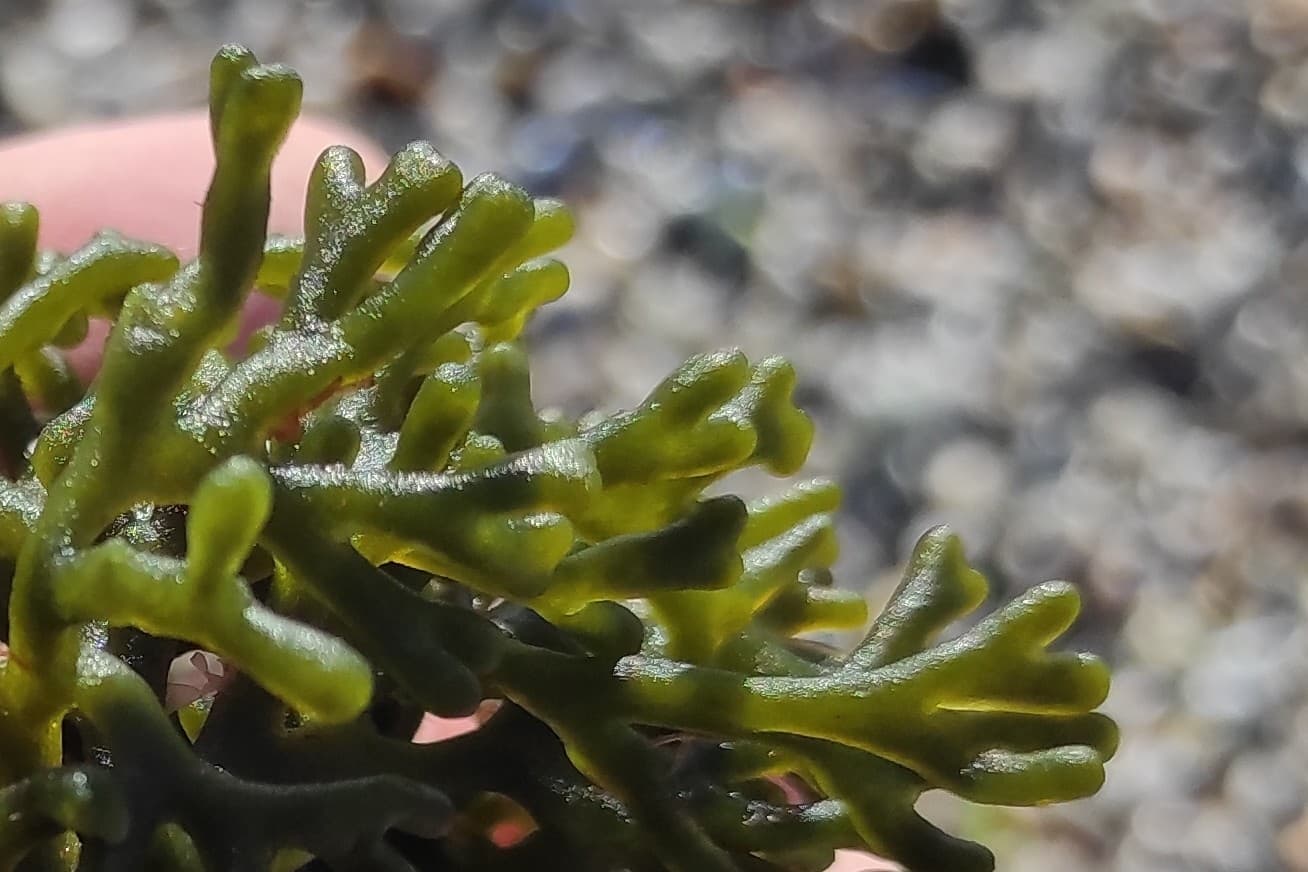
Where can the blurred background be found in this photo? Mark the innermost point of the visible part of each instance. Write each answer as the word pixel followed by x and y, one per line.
pixel 1040 265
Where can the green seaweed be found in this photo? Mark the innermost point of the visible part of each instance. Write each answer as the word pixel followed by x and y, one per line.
pixel 366 519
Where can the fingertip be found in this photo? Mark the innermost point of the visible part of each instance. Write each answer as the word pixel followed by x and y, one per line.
pixel 147 178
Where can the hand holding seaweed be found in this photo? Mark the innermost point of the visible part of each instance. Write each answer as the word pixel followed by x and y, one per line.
pixel 367 519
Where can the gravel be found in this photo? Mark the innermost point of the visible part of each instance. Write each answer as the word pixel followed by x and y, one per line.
pixel 1040 264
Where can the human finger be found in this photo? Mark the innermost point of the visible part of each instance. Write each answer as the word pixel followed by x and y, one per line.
pixel 147 179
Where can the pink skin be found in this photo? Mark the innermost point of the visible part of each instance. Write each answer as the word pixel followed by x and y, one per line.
pixel 146 179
